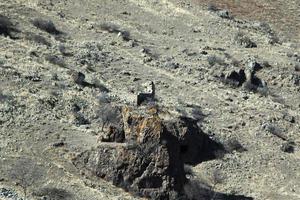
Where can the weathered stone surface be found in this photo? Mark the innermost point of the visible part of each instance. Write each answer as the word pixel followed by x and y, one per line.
pixel 151 161
pixel 113 134
pixel 147 93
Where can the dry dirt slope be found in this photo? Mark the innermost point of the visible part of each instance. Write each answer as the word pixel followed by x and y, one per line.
pixel 46 118
pixel 282 15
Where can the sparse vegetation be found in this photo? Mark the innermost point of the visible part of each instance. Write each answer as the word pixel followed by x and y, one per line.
pixel 235 63
pixel 78 77
pixel 112 28
pixel 244 41
pixel 272 37
pixel 213 60
pixel 55 60
pixel 104 98
pixel 63 50
pixel 234 145
pixel 266 64
pixel 25 173
pixel 6 27
pixel 212 7
pixel 263 91
pixel 79 119
pixel 274 130
pixel 97 84
pixel 7 193
pixel 108 115
pixel 150 145
pixel 46 25
pixel 288 147
pixel 216 177
pixel 38 39
pixel 53 193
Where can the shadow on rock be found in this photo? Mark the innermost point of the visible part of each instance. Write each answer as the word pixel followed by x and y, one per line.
pixel 150 161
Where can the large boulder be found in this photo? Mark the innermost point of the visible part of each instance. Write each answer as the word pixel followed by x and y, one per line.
pixel 150 162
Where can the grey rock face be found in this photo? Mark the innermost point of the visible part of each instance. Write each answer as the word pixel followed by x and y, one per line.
pixel 147 94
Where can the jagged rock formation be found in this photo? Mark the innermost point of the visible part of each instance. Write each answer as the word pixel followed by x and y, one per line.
pixel 151 160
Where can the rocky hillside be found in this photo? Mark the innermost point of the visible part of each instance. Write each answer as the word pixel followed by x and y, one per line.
pixel 141 99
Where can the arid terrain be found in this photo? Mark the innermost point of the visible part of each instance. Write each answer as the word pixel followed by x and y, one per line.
pixel 281 14
pixel 143 99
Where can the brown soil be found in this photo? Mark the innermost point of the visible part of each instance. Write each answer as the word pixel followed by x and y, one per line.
pixel 283 15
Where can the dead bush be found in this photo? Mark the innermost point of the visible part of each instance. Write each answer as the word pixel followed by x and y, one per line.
pixel 109 114
pixel 7 28
pixel 55 60
pixel 46 25
pixel 213 60
pixel 25 173
pixel 38 39
pixel 244 41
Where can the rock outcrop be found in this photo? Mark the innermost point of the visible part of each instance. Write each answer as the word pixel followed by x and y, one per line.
pixel 147 93
pixel 150 162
